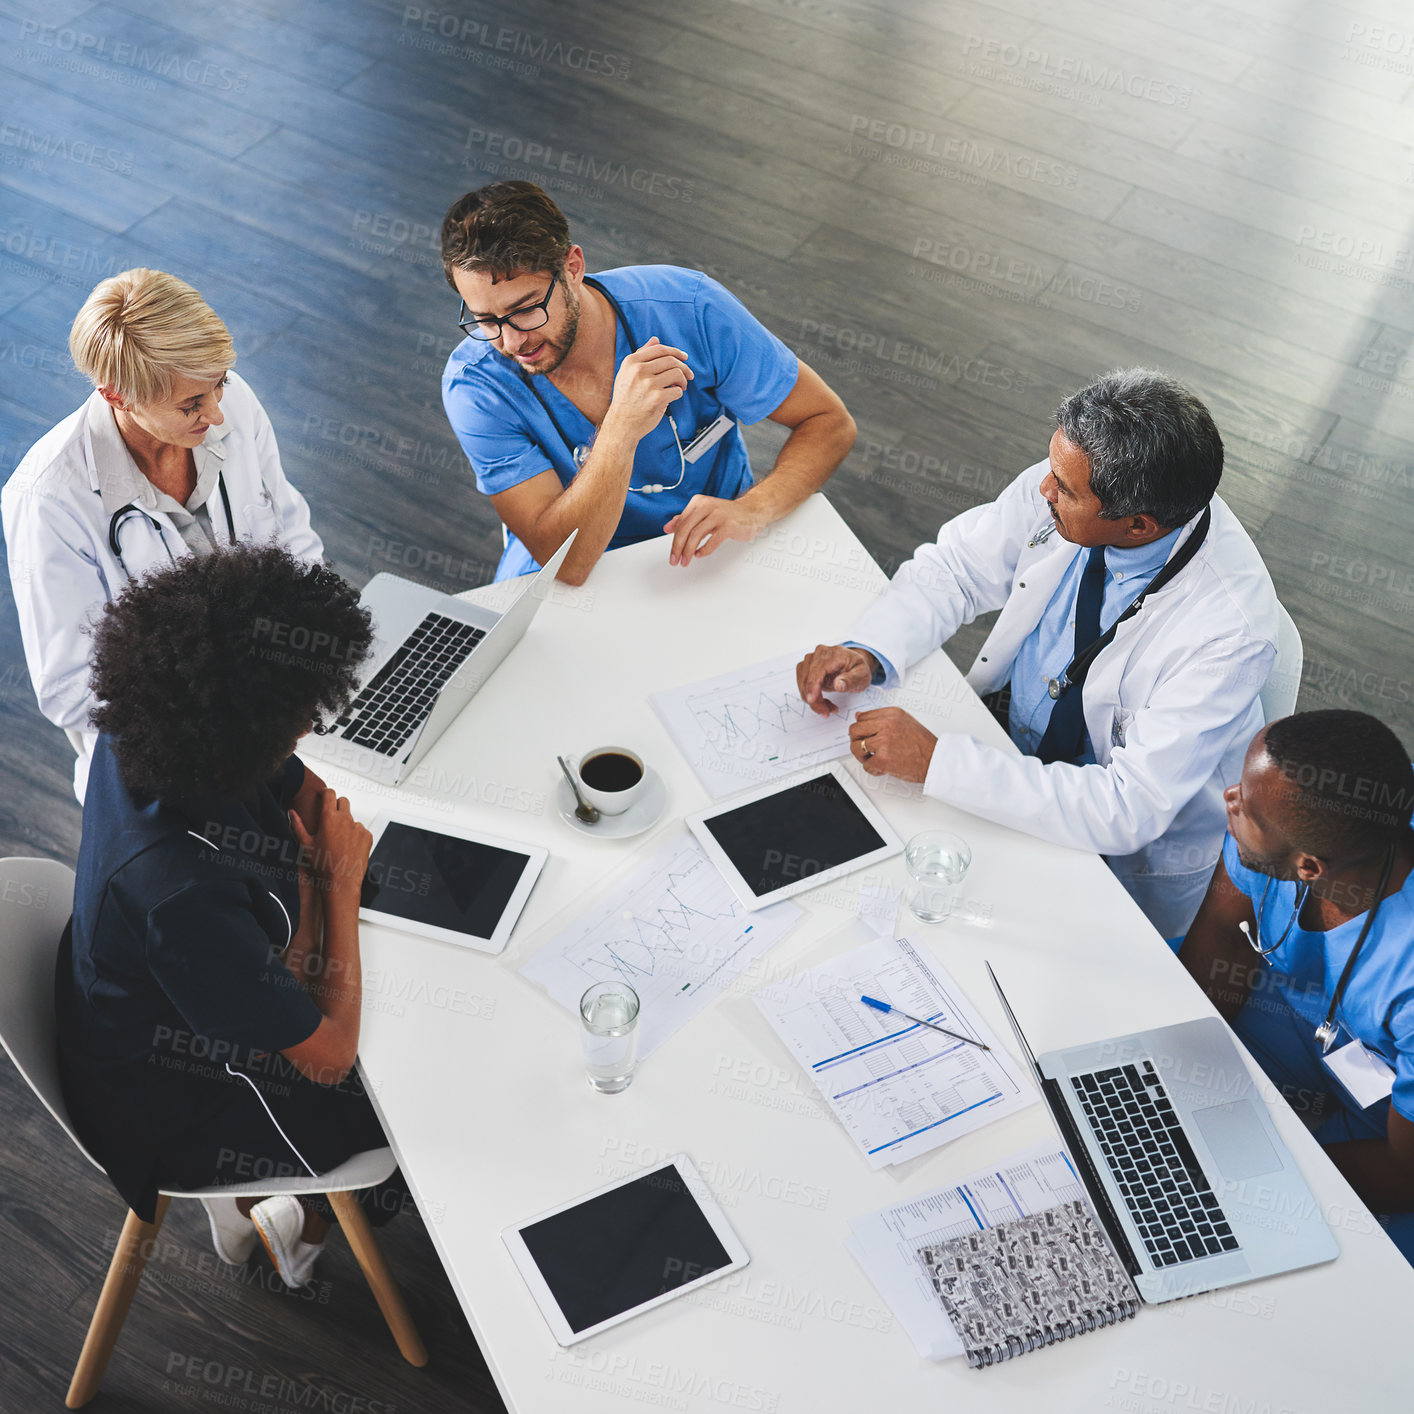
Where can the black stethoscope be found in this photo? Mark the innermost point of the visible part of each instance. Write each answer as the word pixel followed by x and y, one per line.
pixel 123 514
pixel 1327 1031
pixel 579 451
pixel 1075 671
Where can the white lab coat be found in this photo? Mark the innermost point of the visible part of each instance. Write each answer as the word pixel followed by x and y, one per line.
pixel 56 515
pixel 1170 705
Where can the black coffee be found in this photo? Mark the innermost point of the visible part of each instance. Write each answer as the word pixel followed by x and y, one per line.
pixel 611 770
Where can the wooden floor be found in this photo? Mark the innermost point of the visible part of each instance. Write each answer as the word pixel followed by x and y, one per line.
pixel 956 211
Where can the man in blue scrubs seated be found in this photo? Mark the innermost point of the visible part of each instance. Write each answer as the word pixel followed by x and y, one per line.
pixel 208 987
pixel 577 398
pixel 1318 856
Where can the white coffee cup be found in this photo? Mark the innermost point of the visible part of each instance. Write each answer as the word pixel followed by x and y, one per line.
pixel 612 767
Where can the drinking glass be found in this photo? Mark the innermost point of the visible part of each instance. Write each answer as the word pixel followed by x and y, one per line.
pixel 937 864
pixel 608 1013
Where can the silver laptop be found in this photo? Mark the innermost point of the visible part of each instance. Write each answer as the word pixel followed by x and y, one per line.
pixel 431 653
pixel 1180 1157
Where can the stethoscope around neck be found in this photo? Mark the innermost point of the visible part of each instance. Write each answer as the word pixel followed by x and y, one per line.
pixel 1075 672
pixel 1327 1031
pixel 124 514
pixel 579 451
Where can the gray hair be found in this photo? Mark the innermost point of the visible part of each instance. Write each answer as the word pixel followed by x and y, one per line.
pixel 1153 447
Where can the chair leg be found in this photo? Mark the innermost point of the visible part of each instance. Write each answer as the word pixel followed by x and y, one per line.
pixel 369 1255
pixel 119 1287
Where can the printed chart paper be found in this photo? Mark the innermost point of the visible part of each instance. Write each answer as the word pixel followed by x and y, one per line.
pixel 899 1089
pixel 673 930
pixel 886 1243
pixel 751 725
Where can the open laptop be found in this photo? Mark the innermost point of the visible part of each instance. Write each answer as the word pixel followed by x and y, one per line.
pixel 1180 1157
pixel 431 653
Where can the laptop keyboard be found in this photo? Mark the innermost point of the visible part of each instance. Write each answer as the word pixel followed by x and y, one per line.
pixel 1164 1188
pixel 398 698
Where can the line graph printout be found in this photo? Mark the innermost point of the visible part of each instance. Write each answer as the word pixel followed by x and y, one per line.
pixel 672 929
pixel 886 1243
pixel 751 725
pixel 900 1089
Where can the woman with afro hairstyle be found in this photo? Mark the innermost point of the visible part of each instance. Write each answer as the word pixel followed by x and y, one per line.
pixel 208 988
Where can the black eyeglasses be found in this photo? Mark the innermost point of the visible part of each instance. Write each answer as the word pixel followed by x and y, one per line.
pixel 524 320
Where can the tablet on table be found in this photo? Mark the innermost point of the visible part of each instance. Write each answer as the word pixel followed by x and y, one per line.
pixel 442 881
pixel 634 1244
pixel 781 839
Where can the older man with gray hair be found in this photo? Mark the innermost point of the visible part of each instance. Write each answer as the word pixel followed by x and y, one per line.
pixel 1127 723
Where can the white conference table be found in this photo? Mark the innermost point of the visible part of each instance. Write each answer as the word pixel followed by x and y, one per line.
pixel 478 1078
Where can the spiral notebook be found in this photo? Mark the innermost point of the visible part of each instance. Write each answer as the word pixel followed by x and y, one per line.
pixel 1029 1282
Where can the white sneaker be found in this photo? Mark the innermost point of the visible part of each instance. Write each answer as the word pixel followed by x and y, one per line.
pixel 233 1236
pixel 279 1221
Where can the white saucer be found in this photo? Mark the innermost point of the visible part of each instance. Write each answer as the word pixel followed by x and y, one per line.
pixel 638 817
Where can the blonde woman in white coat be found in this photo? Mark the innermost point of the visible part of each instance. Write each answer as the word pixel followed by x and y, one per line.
pixel 171 455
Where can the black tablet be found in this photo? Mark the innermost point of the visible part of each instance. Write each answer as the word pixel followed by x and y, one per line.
pixel 441 881
pixel 625 1248
pixel 778 840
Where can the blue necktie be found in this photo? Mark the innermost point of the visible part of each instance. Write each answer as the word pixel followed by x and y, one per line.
pixel 1065 733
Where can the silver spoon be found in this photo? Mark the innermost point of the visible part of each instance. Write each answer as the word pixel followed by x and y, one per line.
pixel 584 810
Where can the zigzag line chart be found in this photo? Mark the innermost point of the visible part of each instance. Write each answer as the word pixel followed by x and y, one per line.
pixel 662 926
pixel 672 930
pixel 763 718
pixel 751 725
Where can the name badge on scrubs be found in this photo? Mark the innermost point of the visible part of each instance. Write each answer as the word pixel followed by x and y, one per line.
pixel 707 438
pixel 1363 1074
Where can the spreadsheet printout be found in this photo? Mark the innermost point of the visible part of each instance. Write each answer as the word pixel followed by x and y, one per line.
pixel 899 1088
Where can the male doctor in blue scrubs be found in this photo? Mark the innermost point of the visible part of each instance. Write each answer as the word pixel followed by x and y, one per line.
pixel 1305 941
pixel 609 404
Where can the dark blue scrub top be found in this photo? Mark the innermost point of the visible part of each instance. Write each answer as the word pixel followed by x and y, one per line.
pixel 171 966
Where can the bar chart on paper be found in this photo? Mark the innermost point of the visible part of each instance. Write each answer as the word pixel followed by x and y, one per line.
pixel 899 1089
pixel 752 725
pixel 672 929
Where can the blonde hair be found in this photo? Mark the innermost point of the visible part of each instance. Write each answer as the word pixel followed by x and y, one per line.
pixel 141 330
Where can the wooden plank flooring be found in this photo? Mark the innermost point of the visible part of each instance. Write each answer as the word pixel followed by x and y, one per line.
pixel 1018 194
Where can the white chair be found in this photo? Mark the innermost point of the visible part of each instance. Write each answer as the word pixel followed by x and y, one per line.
pixel 1278 694
pixel 36 899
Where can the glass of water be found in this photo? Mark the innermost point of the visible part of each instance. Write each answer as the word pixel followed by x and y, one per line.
pixel 608 1014
pixel 937 864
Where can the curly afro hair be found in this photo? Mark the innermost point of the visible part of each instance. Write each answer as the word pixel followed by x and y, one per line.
pixel 208 671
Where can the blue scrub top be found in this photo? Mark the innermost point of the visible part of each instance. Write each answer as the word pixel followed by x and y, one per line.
pixel 1377 1008
pixel 739 368
pixel 172 965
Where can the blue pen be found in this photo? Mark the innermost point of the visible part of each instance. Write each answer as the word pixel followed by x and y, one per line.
pixel 884 1006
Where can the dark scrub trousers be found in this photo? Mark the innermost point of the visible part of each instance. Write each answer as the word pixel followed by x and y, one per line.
pixel 173 1001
